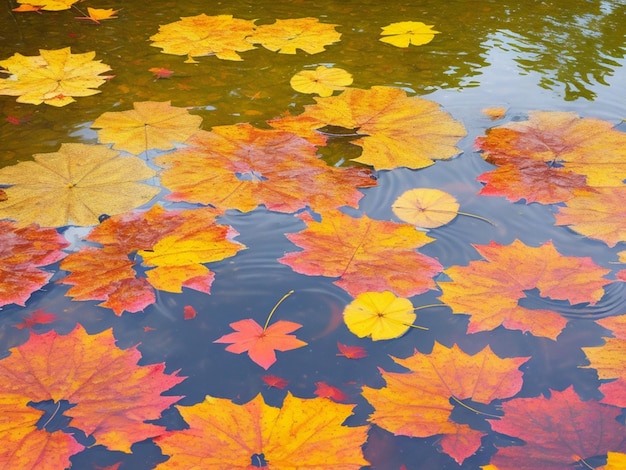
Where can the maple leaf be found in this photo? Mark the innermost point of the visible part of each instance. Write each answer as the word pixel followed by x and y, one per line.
pixel 397 130
pixel 548 152
pixel 53 77
pixel 322 81
pixel 98 14
pixel 113 407
pixel 150 125
pixel 558 431
pixel 23 251
pixel 323 390
pixel 38 317
pixel 365 254
pixel 615 461
pixel 202 35
pixel 52 5
pixel 161 72
pixel 408 32
pixel 417 403
pixel 599 214
pixel 175 244
pixel 74 186
pixel 27 7
pixel 285 36
pixel 608 361
pixel 489 290
pixel 351 352
pixel 241 167
pixel 274 381
pixel 303 126
pixel 303 433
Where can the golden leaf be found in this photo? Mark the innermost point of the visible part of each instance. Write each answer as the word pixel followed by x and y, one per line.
pixel 285 36
pixel 426 207
pixel 322 81
pixel 50 5
pixel 408 32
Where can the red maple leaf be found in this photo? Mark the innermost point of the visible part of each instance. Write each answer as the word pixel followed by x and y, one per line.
pixel 161 72
pixel 274 381
pixel 38 317
pixel 261 343
pixel 323 390
pixel 351 352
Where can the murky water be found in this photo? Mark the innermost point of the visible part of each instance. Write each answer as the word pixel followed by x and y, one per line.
pixel 561 55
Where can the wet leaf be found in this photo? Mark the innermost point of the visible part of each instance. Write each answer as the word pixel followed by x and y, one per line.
pixel 608 360
pixel 98 14
pixel 380 315
pixel 38 317
pixel 351 352
pixel 426 207
pixel 202 35
pixel 286 36
pixel 150 125
pixel 418 403
pixel 322 81
pixel 74 186
pixel 303 433
pixel 274 381
pixel 189 312
pixel 173 245
pixel 408 32
pixel 494 113
pixel 394 130
pixel 242 167
pixel 489 290
pixel 23 251
pixel 52 5
pixel 364 254
pixel 323 390
pixel 113 408
pixel 27 7
pixel 161 72
pixel 558 431
pixel 261 343
pixel 53 77
pixel 615 461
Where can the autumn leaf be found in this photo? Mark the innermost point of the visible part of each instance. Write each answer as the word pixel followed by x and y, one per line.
pixel 408 32
pixel 242 167
pixel 494 113
pixel 323 390
pixel 23 251
pixel 173 245
pixel 27 7
pixel 74 186
pixel 52 5
pixel 558 432
pixel 418 403
pixel 380 315
pixel 113 407
pixel 322 81
pixel 615 461
pixel 38 317
pixel 351 352
pixel 608 361
pixel 285 36
pixel 274 381
pixel 53 77
pixel 600 214
pixel 490 290
pixel 189 312
pixel 552 154
pixel 98 14
pixel 161 72
pixel 202 35
pixel 364 254
pixel 394 130
pixel 150 125
pixel 303 433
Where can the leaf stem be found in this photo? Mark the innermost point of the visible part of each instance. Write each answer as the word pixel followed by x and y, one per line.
pixel 269 317
pixel 420 308
pixel 473 409
pixel 484 219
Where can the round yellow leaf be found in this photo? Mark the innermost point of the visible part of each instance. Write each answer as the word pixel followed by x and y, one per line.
pixel 380 315
pixel 322 81
pixel 425 207
pixel 408 32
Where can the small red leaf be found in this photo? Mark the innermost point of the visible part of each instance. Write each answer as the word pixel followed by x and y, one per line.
pixel 324 390
pixel 274 381
pixel 351 352
pixel 38 317
pixel 160 72
pixel 189 312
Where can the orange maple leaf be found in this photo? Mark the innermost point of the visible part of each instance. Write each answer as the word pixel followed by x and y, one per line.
pixel 23 251
pixel 241 167
pixel 322 389
pixel 302 433
pixel 608 360
pixel 365 254
pixel 112 408
pixel 489 290
pixel 417 403
pixel 558 431
pixel 351 352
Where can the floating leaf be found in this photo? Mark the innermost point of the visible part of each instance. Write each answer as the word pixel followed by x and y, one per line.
pixel 408 32
pixel 202 35
pixel 38 317
pixel 98 14
pixel 150 125
pixel 322 81
pixel 51 5
pixel 365 254
pixel 53 77
pixel 303 433
pixel 351 352
pixel 418 403
pixel 323 390
pixel 380 315
pixel 285 36
pixel 113 396
pixel 274 381
pixel 74 186
pixel 608 360
pixel 425 207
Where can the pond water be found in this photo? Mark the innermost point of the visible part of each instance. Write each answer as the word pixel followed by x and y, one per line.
pixel 560 55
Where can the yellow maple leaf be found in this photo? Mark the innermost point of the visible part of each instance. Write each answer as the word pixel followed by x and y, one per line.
pixel 303 433
pixel 322 81
pixel 285 36
pixel 97 14
pixel 202 35
pixel 51 5
pixel 408 32
pixel 53 77
pixel 74 186
pixel 150 125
